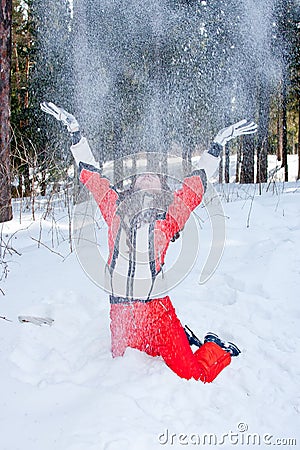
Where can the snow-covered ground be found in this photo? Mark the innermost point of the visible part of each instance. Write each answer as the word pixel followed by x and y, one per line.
pixel 61 389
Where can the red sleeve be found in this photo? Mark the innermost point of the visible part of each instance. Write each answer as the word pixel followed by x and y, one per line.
pixel 105 196
pixel 184 202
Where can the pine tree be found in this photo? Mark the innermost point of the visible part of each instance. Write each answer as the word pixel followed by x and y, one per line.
pixel 258 67
pixel 51 80
pixel 22 42
pixel 40 71
pixel 286 46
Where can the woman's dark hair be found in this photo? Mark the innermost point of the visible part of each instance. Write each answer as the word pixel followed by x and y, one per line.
pixel 123 193
pixel 138 206
pixel 130 206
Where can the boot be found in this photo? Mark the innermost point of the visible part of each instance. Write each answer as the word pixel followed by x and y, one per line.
pixel 230 347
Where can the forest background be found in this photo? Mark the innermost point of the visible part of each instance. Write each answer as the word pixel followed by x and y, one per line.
pixel 145 77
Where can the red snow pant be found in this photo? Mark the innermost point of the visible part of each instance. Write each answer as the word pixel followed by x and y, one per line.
pixel 153 327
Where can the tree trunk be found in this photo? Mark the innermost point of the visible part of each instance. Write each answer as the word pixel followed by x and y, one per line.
pixel 26 181
pixel 284 127
pixel 298 177
pixel 118 173
pixel 227 163
pixel 164 164
pixel 262 160
pixel 118 156
pixel 5 58
pixel 153 162
pixel 263 135
pixel 186 160
pixel 247 170
pixel 238 162
pixel 221 168
pixel 279 125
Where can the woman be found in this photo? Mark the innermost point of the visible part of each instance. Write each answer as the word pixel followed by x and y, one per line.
pixel 142 222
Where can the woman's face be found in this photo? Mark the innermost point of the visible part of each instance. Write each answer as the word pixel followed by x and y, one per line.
pixel 148 182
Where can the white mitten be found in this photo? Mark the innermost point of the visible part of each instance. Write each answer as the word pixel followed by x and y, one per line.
pixel 237 129
pixel 60 114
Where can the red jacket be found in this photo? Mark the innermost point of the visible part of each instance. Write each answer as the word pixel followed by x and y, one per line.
pixel 132 279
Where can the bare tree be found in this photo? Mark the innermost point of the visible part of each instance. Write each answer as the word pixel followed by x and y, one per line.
pixel 5 57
